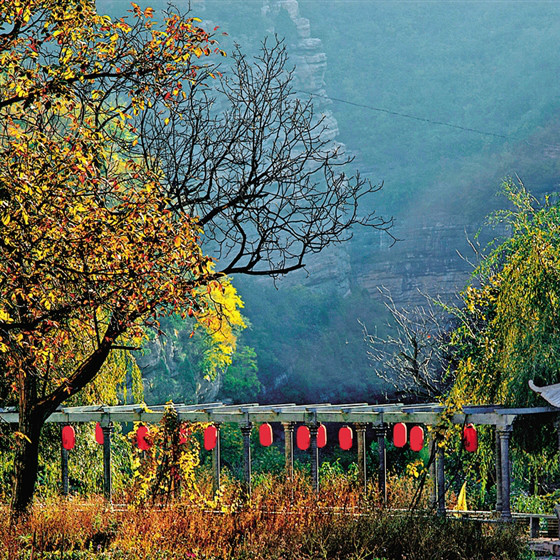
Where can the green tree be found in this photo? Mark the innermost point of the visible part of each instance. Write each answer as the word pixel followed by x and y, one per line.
pixel 240 382
pixel 509 328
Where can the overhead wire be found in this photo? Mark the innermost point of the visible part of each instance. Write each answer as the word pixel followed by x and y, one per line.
pixel 427 120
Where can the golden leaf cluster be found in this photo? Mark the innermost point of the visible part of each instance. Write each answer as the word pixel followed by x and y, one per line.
pixel 90 251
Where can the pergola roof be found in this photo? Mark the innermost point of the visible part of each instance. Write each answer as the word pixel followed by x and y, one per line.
pixel 377 414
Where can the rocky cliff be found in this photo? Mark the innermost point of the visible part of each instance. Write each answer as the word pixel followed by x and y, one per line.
pixel 425 258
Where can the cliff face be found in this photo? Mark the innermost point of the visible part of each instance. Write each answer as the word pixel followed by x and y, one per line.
pixel 430 258
pixel 308 56
pixel 172 368
pixel 425 258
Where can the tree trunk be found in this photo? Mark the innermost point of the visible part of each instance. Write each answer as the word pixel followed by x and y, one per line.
pixel 26 461
pixel 33 411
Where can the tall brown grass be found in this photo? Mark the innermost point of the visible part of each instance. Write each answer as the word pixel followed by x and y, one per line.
pixel 282 521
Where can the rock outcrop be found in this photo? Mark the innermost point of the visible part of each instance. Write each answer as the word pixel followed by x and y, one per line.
pixel 309 58
pixel 431 257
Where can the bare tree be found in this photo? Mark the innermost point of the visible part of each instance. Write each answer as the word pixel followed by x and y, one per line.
pixel 413 357
pixel 252 161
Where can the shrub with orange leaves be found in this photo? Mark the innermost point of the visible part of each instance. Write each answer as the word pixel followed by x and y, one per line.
pixel 283 521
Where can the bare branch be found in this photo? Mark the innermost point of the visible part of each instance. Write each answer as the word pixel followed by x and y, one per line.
pixel 253 163
pixel 413 358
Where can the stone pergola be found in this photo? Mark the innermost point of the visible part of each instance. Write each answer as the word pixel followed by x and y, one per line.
pixel 362 416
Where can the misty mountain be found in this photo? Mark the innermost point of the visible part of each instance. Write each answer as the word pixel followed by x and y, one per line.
pixel 437 100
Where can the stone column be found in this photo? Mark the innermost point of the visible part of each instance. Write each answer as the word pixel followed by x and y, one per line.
pixel 64 466
pixel 246 432
pixel 289 448
pixel 107 479
pixel 313 429
pixel 504 434
pixel 440 455
pixel 361 439
pixel 432 470
pixel 380 434
pixel 216 461
pixel 498 456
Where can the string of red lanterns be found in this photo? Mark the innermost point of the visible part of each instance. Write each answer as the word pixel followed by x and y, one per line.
pixel 401 436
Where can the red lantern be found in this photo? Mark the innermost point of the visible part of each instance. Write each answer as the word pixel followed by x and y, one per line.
pixel 68 437
pixel 321 436
pixel 99 438
pixel 210 437
pixel 141 434
pixel 345 437
pixel 303 438
pixel 265 434
pixel 399 435
pixel 470 438
pixel 416 438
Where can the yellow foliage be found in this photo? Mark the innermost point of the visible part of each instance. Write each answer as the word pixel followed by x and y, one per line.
pixel 167 470
pixel 221 319
pixel 415 469
pixel 509 330
pixel 91 252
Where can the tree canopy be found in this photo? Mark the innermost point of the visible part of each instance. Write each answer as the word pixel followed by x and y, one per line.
pixel 91 249
pixel 509 331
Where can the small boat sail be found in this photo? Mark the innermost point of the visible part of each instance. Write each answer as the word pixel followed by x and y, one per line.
pixel 550 393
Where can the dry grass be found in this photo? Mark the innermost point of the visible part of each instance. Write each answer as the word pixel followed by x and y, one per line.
pixel 281 522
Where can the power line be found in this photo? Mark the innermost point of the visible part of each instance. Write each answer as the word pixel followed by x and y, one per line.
pixel 420 119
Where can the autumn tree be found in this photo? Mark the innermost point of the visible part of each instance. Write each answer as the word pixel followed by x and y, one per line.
pixel 115 170
pixel 90 248
pixel 188 359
